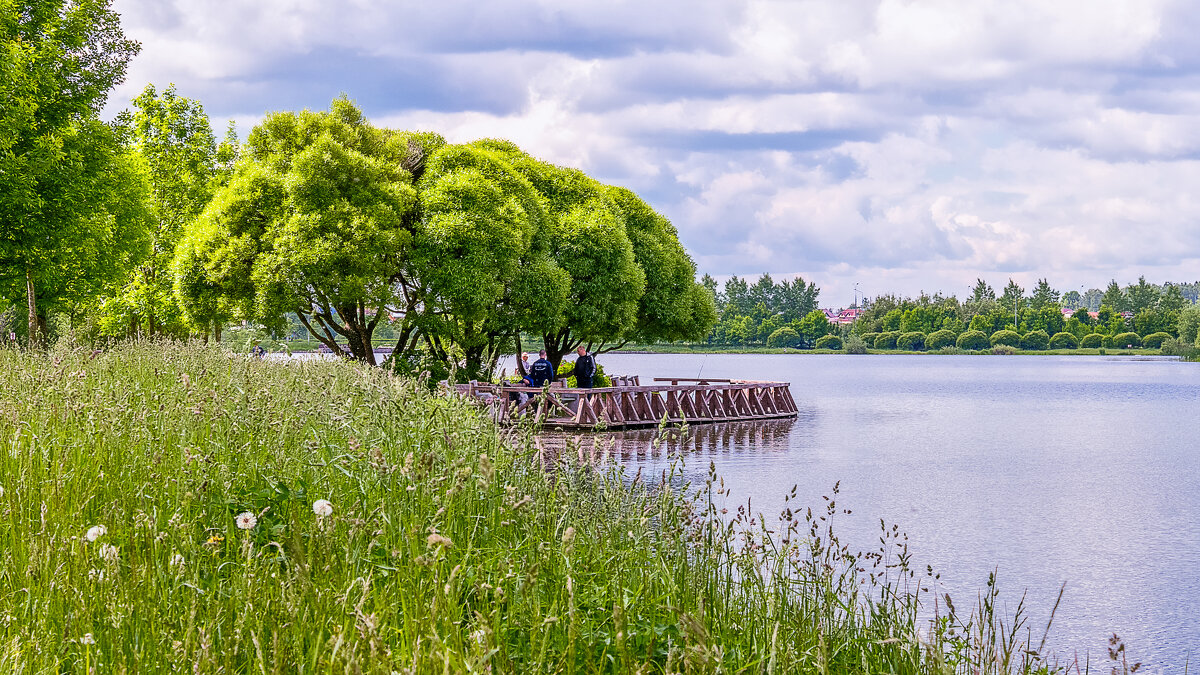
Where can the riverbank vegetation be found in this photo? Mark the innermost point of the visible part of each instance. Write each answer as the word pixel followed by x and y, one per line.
pixel 178 507
pixel 784 315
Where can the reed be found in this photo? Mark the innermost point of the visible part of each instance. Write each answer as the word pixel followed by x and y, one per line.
pixel 450 546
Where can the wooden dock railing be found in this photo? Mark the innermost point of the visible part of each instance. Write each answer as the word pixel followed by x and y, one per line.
pixel 619 407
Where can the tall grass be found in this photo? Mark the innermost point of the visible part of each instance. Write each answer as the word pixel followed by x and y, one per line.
pixel 449 549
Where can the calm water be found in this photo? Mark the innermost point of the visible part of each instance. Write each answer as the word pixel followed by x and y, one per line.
pixel 1050 469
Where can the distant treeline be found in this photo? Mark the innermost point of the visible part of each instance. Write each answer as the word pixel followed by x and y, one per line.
pixel 785 314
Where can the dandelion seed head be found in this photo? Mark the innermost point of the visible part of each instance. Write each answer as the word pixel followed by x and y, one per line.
pixel 95 532
pixel 246 521
pixel 108 553
pixel 323 507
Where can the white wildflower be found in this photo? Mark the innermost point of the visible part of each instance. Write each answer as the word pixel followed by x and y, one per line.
pixel 95 532
pixel 177 560
pixel 323 507
pixel 108 553
pixel 87 639
pixel 246 521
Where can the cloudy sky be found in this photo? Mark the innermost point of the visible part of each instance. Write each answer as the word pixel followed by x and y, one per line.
pixel 898 145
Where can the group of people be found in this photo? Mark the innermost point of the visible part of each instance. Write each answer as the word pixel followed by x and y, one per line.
pixel 541 372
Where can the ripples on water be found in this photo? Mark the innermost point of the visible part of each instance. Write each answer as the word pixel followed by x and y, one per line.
pixel 1075 470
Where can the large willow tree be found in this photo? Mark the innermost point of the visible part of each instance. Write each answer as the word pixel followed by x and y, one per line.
pixel 465 246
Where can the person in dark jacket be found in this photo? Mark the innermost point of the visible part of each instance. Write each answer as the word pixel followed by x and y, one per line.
pixel 542 371
pixel 585 369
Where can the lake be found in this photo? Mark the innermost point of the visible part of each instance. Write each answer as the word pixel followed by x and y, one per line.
pixel 1074 469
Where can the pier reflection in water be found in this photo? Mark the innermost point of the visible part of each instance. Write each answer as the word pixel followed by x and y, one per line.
pixel 759 436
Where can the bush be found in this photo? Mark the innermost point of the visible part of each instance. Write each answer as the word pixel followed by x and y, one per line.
pixel 973 339
pixel 1123 340
pixel 1005 337
pixel 1004 350
pixel 1092 341
pixel 939 339
pixel 1064 341
pixel 829 342
pixel 784 337
pixel 1107 343
pixel 1177 347
pixel 568 365
pixel 856 345
pixel 912 342
pixel 867 338
pixel 887 340
pixel 1035 340
pixel 1155 340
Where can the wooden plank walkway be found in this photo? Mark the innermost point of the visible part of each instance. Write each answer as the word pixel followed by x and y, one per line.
pixel 630 404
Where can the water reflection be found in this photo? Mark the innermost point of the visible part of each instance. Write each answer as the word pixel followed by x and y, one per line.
pixel 760 437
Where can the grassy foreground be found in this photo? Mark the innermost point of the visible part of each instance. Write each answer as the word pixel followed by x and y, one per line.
pixel 449 547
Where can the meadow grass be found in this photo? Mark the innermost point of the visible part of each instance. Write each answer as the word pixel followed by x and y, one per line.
pixel 451 546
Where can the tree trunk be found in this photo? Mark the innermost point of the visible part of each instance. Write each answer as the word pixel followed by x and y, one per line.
pixel 520 365
pixel 34 338
pixel 217 332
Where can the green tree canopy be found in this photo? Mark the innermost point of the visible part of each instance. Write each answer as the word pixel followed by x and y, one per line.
pixel 313 221
pixel 172 135
pixel 57 162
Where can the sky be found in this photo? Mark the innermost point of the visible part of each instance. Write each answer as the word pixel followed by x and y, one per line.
pixel 886 146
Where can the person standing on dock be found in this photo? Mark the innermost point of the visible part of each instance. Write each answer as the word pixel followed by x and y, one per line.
pixel 542 371
pixel 585 369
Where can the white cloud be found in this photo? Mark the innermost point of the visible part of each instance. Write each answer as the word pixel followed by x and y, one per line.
pixel 916 144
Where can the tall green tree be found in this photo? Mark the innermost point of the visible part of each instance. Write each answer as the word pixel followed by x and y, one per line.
pixel 982 292
pixel 1043 295
pixel 173 137
pixel 1114 298
pixel 1142 295
pixel 313 222
pixel 1013 296
pixel 480 257
pixel 57 162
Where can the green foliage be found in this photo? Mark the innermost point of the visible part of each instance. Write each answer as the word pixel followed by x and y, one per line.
pixel 566 368
pixel 911 341
pixel 1005 337
pixel 856 344
pixel 1189 325
pixel 313 221
pixel 1064 341
pixel 750 313
pixel 1092 341
pixel 1004 350
pixel 829 342
pixel 172 136
pixel 887 340
pixel 1122 340
pixel 673 307
pixel 1048 319
pixel 784 337
pixel 1035 340
pixel 69 194
pixel 939 339
pixel 1155 340
pixel 813 326
pixel 973 339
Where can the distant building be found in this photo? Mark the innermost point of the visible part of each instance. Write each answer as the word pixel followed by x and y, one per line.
pixel 843 316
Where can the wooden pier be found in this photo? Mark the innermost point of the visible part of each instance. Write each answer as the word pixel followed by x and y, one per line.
pixel 628 404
